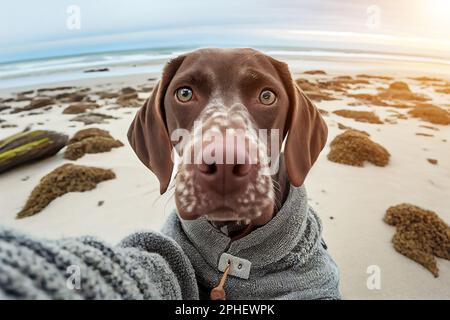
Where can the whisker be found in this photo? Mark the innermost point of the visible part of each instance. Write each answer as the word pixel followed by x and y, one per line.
pixel 170 197
pixel 169 189
pixel 276 186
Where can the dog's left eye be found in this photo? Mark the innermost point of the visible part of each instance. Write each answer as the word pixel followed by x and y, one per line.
pixel 267 97
pixel 184 94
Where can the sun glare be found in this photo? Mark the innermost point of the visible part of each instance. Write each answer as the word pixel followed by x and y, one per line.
pixel 439 9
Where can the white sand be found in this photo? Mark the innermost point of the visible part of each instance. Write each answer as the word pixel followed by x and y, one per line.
pixel 356 198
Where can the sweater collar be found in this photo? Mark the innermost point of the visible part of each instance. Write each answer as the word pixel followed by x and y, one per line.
pixel 268 243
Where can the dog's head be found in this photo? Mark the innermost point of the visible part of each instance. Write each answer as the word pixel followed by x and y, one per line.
pixel 226 113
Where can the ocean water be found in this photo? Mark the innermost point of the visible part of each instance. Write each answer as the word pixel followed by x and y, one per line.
pixel 151 61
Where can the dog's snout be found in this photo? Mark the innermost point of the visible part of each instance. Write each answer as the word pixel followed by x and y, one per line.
pixel 224 167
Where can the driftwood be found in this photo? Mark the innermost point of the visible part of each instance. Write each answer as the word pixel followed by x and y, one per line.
pixel 29 146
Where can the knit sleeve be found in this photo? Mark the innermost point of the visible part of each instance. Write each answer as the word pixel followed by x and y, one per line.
pixel 86 268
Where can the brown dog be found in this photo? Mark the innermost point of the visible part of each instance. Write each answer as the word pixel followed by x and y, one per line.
pixel 238 89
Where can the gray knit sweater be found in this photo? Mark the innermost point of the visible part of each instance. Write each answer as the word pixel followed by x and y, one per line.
pixel 284 259
pixel 146 265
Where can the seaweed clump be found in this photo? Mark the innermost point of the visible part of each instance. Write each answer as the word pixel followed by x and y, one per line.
pixel 92 140
pixel 421 235
pixel 64 179
pixel 399 90
pixel 355 147
pixel 361 116
pixel 431 113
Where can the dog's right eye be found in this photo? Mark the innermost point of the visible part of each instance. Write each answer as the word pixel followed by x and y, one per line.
pixel 184 94
pixel 267 97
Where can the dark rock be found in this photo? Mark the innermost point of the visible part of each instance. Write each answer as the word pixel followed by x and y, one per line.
pixel 96 70
pixel 29 146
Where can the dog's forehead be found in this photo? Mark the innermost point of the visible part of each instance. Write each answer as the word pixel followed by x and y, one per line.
pixel 223 62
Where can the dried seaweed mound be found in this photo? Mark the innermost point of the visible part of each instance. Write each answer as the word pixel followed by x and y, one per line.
pixel 92 140
pixel 361 116
pixel 399 90
pixel 64 179
pixel 80 107
pixel 354 147
pixel 92 118
pixel 88 133
pixel 315 72
pixel 421 235
pixel 431 113
pixel 313 91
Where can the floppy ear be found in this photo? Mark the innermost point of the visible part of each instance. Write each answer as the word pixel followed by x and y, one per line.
pixel 306 138
pixel 307 131
pixel 148 134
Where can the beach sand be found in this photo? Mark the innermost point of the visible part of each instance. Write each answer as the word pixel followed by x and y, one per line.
pixel 351 201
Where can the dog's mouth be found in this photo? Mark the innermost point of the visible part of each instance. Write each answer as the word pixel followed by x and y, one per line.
pixel 257 212
pixel 226 214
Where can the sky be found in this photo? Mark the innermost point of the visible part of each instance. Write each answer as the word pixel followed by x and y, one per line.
pixel 46 28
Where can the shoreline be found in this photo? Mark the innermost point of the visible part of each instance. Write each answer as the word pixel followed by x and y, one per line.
pixel 151 65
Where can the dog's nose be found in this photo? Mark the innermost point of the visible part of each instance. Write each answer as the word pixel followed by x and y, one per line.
pixel 229 175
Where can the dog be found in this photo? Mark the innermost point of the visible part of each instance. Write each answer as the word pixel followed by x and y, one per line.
pixel 207 101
